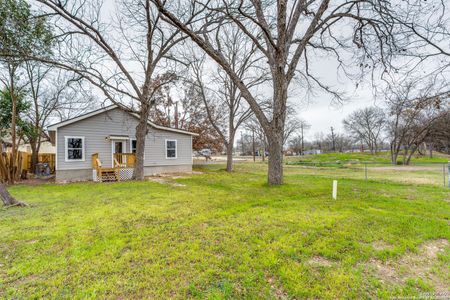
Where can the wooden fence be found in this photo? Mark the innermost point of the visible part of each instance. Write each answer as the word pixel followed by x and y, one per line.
pixel 7 174
pixel 23 163
pixel 48 158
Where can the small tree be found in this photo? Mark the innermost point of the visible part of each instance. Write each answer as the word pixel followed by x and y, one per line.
pixel 297 143
pixel 220 91
pixel 189 113
pixel 441 135
pixel 413 110
pixel 366 125
pixel 50 94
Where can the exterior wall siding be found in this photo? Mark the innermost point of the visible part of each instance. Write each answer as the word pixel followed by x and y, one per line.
pixel 98 128
pixel 87 174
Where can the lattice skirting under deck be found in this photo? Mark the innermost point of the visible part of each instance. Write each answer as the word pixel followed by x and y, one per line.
pixel 124 174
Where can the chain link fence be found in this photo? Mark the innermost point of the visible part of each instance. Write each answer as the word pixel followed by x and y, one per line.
pixel 434 173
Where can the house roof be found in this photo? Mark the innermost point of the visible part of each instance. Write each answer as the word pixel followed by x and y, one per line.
pixel 55 126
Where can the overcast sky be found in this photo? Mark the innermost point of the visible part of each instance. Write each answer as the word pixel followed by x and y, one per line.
pixel 321 114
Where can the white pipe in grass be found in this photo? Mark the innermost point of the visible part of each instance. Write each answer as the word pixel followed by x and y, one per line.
pixel 334 189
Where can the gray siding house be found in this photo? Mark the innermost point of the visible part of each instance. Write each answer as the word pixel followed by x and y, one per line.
pixel 109 131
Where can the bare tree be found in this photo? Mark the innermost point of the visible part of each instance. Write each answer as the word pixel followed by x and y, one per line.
pixel 297 143
pixel 440 136
pixel 48 92
pixel 293 124
pixel 188 112
pixel 257 133
pixel 366 125
pixel 125 56
pixel 413 109
pixel 222 91
pixel 289 33
pixel 332 138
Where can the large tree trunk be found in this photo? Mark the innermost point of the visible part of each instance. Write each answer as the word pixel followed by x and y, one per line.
pixel 141 133
pixel 410 154
pixel 229 157
pixel 275 172
pixel 7 199
pixel 229 144
pixel 394 153
pixel 275 132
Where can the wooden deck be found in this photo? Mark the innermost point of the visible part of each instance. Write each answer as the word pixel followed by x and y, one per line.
pixel 122 170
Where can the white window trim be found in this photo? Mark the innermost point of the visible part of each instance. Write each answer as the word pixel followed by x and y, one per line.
pixel 176 148
pixel 66 149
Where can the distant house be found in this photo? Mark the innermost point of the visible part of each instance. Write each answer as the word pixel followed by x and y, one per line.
pixel 312 152
pixel 6 145
pixel 100 142
pixel 46 147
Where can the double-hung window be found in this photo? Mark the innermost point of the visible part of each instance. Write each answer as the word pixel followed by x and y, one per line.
pixel 171 149
pixel 74 148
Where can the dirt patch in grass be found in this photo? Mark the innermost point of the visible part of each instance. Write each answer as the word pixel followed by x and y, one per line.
pixel 276 288
pixel 381 245
pixel 320 261
pixel 167 179
pixel 423 265
pixel 24 280
pixel 418 180
pixel 170 178
pixel 33 181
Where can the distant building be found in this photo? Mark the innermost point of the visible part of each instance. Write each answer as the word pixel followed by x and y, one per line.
pixel 313 151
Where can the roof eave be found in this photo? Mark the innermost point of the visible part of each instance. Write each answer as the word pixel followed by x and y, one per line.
pixel 54 127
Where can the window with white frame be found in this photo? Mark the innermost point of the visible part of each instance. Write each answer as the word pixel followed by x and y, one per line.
pixel 171 149
pixel 74 148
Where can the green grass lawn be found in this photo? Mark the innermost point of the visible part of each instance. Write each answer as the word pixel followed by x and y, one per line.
pixel 217 235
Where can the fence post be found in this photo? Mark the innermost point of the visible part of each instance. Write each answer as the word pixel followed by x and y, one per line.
pixel 448 174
